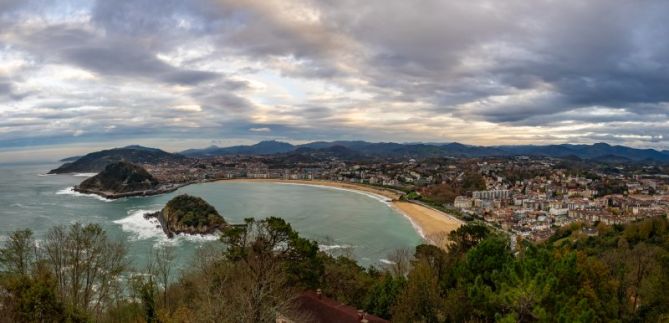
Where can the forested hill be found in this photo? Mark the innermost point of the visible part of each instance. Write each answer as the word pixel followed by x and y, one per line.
pixel 97 161
pixel 119 177
pixel 609 274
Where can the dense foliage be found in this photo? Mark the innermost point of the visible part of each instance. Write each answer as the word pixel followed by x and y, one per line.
pixel 620 275
pixel 191 211
pixel 120 177
pixel 446 192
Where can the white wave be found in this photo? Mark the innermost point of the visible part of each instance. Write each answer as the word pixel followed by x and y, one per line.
pixel 84 174
pixel 70 191
pixel 386 261
pixel 415 225
pixel 142 228
pixel 323 247
pixel 42 175
pixel 196 237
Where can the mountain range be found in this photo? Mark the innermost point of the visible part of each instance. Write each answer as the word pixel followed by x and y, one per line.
pixel 358 150
pixel 597 152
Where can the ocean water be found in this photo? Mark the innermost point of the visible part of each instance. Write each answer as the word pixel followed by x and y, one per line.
pixel 342 221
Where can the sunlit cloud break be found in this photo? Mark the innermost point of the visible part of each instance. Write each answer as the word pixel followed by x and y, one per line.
pixel 477 72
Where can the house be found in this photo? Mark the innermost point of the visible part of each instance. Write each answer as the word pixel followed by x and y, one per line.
pixel 318 308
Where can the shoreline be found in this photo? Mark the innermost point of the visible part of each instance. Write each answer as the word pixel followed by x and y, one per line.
pixel 116 196
pixel 431 224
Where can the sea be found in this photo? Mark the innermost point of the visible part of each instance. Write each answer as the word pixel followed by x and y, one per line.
pixel 344 222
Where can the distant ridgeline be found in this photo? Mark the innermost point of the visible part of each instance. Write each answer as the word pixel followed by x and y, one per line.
pixel 97 161
pixel 361 150
pixel 122 179
pixel 190 215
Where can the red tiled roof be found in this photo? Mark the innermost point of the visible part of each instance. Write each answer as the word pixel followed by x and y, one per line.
pixel 326 310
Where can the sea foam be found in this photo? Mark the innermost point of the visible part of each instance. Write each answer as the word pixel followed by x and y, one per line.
pixel 70 191
pixel 323 247
pixel 141 228
pixel 84 174
pixel 386 261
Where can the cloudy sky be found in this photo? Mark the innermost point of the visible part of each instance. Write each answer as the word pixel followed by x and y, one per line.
pixel 179 74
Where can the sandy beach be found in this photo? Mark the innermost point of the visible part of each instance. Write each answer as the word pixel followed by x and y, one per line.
pixel 431 224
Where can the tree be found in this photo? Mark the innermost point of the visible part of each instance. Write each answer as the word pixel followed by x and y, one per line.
pixel 19 253
pixel 32 299
pixel 163 262
pixel 383 295
pixel 257 273
pixel 400 262
pixel 467 237
pixel 472 182
pixel 420 300
pixel 86 264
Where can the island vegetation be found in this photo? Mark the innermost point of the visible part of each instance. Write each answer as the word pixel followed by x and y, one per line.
pixel 619 273
pixel 97 161
pixel 190 215
pixel 123 179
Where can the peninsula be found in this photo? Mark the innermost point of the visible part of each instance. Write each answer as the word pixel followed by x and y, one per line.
pixel 123 179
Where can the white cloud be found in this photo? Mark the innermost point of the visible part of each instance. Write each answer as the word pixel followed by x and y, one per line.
pixel 263 129
pixel 478 72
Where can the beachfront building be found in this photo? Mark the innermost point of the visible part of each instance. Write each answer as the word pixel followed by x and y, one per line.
pixel 492 195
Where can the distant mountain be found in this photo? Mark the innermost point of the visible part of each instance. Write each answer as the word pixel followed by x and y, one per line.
pixel 339 148
pixel 598 151
pixel 339 152
pixel 262 148
pixel 69 159
pixel 357 150
pixel 97 161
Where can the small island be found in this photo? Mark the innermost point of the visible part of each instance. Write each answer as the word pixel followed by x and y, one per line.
pixel 123 179
pixel 189 215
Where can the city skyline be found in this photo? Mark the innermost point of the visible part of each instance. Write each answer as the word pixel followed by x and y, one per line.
pixel 76 75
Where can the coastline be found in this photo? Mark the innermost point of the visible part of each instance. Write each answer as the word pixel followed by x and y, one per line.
pixel 431 224
pixel 115 196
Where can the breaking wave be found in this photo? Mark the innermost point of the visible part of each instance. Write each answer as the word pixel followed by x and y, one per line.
pixel 141 228
pixel 323 247
pixel 84 174
pixel 70 191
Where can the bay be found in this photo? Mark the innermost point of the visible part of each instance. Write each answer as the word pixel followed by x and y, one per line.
pixel 351 223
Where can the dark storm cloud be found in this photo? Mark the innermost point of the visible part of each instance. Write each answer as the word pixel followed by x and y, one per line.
pixel 9 92
pixel 126 60
pixel 5 88
pixel 398 70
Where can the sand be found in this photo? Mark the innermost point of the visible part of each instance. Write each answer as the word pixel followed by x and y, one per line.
pixel 433 225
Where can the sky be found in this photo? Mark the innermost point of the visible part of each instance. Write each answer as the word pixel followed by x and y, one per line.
pixel 175 74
